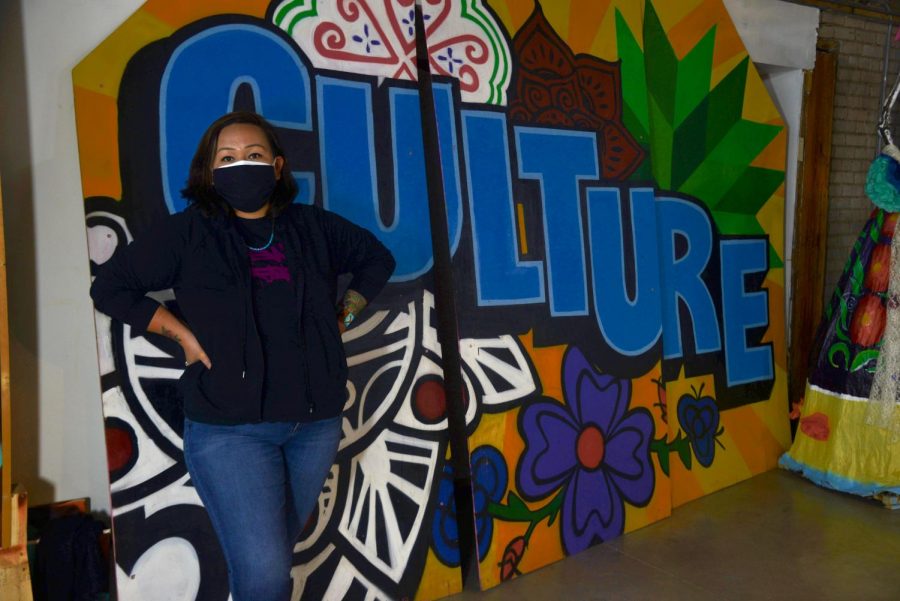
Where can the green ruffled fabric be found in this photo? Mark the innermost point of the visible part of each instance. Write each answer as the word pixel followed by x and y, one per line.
pixel 883 183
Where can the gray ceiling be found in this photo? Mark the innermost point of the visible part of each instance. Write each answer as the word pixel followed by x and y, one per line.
pixel 884 9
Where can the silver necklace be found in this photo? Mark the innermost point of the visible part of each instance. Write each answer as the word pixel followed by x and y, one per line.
pixel 267 244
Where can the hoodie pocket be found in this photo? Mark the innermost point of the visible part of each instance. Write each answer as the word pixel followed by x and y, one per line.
pixel 327 349
pixel 189 381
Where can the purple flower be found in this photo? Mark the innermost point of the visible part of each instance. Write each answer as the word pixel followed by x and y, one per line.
pixel 594 447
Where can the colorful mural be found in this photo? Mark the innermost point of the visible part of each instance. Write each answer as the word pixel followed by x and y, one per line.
pixel 613 174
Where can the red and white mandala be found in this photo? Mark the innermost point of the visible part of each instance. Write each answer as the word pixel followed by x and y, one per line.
pixel 377 37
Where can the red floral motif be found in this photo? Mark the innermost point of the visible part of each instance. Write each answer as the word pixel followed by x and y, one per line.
pixel 815 426
pixel 554 87
pixel 796 409
pixel 879 270
pixel 512 555
pixel 330 39
pixel 890 222
pixel 120 447
pixel 867 324
pixel 400 13
pixel 473 49
pixel 372 44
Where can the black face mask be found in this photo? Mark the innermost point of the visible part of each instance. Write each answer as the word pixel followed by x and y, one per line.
pixel 245 185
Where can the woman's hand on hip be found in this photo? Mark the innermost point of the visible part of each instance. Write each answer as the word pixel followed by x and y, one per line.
pixel 193 352
pixel 166 324
pixel 349 309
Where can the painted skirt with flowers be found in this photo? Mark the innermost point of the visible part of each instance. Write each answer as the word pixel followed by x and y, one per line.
pixel 849 340
pixel 834 447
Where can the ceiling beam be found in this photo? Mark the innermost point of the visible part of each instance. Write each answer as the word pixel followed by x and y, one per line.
pixel 878 10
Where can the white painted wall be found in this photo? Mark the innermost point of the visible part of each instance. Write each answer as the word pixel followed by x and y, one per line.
pixel 58 442
pixel 776 32
pixel 785 85
pixel 58 450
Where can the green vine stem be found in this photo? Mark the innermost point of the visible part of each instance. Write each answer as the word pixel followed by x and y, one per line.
pixel 680 445
pixel 875 231
pixel 842 327
pixel 864 357
pixel 516 510
pixel 839 348
pixel 856 279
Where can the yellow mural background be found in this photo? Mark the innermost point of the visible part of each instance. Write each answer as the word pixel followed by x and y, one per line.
pixel 755 435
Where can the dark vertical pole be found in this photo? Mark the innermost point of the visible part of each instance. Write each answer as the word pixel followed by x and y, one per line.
pixel 445 310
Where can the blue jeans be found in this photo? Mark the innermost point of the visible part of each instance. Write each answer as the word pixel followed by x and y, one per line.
pixel 259 483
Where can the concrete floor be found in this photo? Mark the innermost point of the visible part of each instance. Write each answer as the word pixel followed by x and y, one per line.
pixel 775 536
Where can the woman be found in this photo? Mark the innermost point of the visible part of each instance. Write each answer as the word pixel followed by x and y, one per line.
pixel 255 277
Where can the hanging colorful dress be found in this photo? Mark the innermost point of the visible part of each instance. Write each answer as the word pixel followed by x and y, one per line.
pixel 848 436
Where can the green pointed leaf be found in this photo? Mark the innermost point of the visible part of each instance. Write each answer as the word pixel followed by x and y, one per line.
pixel 875 231
pixel 634 125
pixel 752 190
pixel 863 358
pixel 775 261
pixel 698 142
pixel 515 509
pixel 634 95
pixel 725 163
pixel 684 453
pixel 515 503
pixel 838 349
pixel 694 73
pixel 856 279
pixel 737 223
pixel 660 146
pixel 663 457
pixel 711 179
pixel 726 102
pixel 829 310
pixel 841 330
pixel 689 144
pixel 662 70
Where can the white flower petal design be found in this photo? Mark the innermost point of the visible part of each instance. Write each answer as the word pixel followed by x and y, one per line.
pixel 394 467
pixel 377 37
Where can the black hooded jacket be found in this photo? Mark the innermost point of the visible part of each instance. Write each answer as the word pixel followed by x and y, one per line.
pixel 204 260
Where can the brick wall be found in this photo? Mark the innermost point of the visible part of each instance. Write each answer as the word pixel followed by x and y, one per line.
pixel 857 108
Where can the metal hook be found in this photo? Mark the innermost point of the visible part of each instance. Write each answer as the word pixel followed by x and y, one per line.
pixel 886 121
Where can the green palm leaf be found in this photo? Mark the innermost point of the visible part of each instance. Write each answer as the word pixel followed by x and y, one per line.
pixel 699 143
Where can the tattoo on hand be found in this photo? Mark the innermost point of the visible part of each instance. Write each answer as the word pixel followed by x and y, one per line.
pixel 350 307
pixel 353 302
pixel 170 334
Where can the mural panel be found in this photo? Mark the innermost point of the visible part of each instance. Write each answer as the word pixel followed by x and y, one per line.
pixel 613 175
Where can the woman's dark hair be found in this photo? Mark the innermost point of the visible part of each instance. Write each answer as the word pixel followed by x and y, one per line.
pixel 200 190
